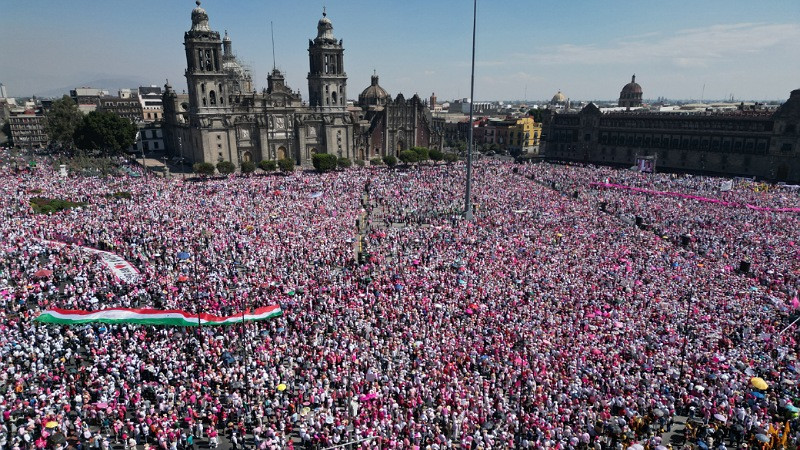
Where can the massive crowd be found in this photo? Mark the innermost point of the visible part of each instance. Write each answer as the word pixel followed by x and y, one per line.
pixel 551 321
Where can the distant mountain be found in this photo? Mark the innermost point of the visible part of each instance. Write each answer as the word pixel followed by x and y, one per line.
pixel 112 85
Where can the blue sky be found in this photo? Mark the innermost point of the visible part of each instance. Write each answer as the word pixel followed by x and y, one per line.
pixel 526 49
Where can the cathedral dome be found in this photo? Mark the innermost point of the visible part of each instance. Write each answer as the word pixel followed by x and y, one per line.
pixel 374 94
pixel 558 98
pixel 199 18
pixel 632 87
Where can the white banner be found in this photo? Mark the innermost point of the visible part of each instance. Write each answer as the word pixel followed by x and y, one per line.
pixel 726 186
pixel 122 269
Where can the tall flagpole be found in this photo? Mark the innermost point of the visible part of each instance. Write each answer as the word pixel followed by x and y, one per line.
pixel 468 199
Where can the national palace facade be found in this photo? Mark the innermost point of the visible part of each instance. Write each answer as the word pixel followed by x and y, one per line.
pixel 747 142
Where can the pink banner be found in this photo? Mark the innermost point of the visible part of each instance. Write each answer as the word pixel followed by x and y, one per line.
pixel 693 197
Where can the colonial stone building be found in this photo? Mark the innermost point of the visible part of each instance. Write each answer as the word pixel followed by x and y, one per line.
pixel 221 117
pixel 747 142
pixel 387 126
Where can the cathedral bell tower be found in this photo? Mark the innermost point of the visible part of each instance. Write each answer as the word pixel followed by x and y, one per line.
pixel 327 80
pixel 205 77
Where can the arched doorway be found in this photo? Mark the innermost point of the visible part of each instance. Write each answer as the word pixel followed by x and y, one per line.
pixel 247 157
pixel 401 145
pixel 281 152
pixel 361 154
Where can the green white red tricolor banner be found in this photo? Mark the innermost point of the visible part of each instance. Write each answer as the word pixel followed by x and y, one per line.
pixel 170 317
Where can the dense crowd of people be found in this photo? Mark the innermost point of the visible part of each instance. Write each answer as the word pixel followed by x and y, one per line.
pixel 550 321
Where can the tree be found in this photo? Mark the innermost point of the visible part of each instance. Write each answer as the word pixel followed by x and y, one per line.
pixel 423 154
pixel 267 166
pixel 436 155
pixel 6 130
pixel 359 162
pixel 286 165
pixel 105 131
pixel 61 121
pixel 248 167
pixel 376 161
pixel 536 113
pixel 324 162
pixel 344 163
pixel 390 160
pixel 408 157
pixel 203 168
pixel 225 167
pixel 450 158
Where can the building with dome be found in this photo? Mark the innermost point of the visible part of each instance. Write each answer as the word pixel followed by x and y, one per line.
pixel 222 118
pixel 559 100
pixel 388 126
pixel 750 141
pixel 373 95
pixel 631 95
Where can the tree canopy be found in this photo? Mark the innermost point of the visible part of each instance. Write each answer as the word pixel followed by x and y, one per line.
pixel 7 132
pixel 248 167
pixel 267 165
pixel 203 168
pixel 225 167
pixel 450 158
pixel 390 160
pixel 423 154
pixel 408 156
pixel 324 162
pixel 344 163
pixel 286 165
pixel 62 120
pixel 536 113
pixel 105 131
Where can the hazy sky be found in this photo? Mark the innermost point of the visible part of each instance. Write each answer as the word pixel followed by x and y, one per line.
pixel 526 49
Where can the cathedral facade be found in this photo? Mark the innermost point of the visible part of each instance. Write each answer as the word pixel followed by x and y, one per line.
pixel 221 117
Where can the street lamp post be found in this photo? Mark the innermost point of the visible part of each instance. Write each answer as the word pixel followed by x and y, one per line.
pixel 468 195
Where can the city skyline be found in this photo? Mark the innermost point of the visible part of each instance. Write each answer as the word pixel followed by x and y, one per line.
pixel 683 50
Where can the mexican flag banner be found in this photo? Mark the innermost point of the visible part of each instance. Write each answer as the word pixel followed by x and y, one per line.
pixel 170 317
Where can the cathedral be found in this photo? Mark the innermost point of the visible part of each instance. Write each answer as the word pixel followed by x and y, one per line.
pixel 222 118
